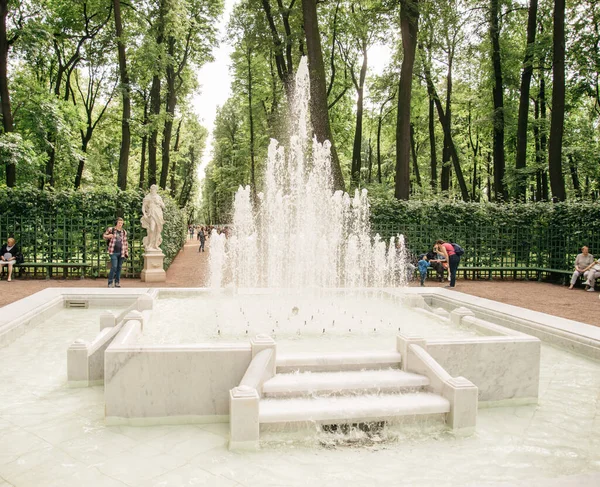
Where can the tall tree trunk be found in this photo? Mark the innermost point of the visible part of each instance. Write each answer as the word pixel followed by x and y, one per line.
pixel 318 92
pixel 574 176
pixel 7 116
pixel 409 25
pixel 538 151
pixel 543 135
pixel 144 145
pixel 446 152
pixel 475 147
pixel 489 182
pixel 432 148
pixel 379 123
pixel 357 146
pixel 155 102
pixel 171 99
pixel 557 181
pixel 474 186
pixel 126 95
pixel 521 159
pixel 447 135
pixel 152 142
pixel 85 139
pixel 173 171
pixel 285 75
pixel 370 161
pixel 251 121
pixel 413 149
pixel 498 92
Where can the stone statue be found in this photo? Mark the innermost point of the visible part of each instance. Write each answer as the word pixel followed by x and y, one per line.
pixel 152 219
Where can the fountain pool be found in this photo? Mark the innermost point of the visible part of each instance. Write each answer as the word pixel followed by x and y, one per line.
pixel 56 435
pixel 309 321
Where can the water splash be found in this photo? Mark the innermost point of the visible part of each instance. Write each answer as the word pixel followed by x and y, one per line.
pixel 300 233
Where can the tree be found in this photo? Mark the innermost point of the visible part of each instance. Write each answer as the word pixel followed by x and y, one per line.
pixel 498 96
pixel 126 100
pixel 521 159
pixel 6 41
pixel 557 181
pixel 409 20
pixel 318 94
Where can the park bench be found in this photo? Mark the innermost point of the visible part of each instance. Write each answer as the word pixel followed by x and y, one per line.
pixel 47 266
pixel 539 272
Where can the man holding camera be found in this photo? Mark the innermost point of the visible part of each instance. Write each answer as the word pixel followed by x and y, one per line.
pixel 116 239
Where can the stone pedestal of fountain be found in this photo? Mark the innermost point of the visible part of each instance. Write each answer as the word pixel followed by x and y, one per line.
pixel 153 267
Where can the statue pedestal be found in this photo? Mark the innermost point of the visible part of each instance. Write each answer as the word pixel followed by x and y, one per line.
pixel 153 267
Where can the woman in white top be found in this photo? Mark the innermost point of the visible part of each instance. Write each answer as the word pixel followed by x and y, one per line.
pixel 8 256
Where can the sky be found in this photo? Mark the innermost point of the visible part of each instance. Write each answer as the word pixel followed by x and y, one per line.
pixel 215 82
pixel 215 86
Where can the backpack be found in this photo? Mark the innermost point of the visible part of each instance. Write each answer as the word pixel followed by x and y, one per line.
pixel 458 250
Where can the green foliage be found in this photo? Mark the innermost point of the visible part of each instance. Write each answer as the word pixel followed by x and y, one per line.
pixel 174 231
pixel 540 234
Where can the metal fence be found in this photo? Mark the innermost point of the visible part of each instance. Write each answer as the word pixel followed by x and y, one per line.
pixel 73 239
pixel 78 239
pixel 510 246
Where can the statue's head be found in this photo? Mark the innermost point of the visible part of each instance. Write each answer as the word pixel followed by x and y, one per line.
pixel 154 189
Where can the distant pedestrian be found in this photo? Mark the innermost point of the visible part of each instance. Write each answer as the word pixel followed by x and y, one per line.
pixel 423 265
pixel 202 239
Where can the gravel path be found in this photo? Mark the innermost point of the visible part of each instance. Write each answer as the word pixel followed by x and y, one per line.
pixel 190 270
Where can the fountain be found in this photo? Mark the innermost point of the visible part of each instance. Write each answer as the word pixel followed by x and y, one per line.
pixel 305 325
pixel 301 234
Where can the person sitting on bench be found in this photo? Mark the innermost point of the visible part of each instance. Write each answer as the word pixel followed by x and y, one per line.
pixel 8 256
pixel 583 262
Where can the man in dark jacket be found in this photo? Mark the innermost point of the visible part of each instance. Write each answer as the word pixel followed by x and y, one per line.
pixel 432 257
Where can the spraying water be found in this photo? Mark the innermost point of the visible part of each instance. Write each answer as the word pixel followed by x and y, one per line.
pixel 300 233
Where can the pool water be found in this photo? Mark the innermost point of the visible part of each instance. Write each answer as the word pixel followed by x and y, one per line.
pixel 296 322
pixel 55 436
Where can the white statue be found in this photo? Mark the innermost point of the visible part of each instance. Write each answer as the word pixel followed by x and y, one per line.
pixel 152 219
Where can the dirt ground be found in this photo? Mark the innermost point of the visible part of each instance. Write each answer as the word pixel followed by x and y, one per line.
pixel 190 270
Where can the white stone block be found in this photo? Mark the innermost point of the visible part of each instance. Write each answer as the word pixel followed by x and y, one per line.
pixel 456 315
pixel 77 364
pixel 462 395
pixel 403 342
pixel 145 302
pixel 153 270
pixel 107 320
pixel 265 342
pixel 135 315
pixel 244 427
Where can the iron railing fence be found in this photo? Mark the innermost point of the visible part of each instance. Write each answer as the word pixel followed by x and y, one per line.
pixel 500 247
pixel 50 237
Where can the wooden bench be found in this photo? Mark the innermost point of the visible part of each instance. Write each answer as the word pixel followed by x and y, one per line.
pixel 82 266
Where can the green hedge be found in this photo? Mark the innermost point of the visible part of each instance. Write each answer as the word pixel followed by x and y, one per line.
pixel 513 234
pixel 67 226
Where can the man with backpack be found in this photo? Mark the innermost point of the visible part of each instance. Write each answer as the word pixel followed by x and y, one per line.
pixel 452 253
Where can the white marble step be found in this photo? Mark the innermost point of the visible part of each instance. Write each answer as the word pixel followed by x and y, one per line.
pixel 374 381
pixel 337 409
pixel 322 362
